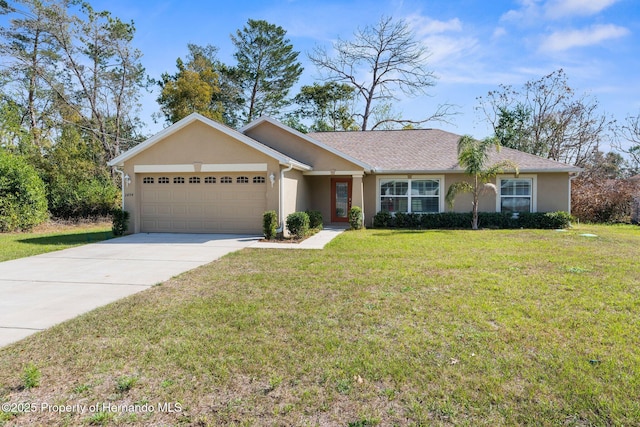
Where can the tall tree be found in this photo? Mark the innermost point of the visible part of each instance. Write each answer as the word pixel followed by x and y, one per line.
pixel 70 63
pixel 546 118
pixel 628 140
pixel 29 66
pixel 380 62
pixel 103 72
pixel 267 67
pixel 202 84
pixel 473 156
pixel 194 88
pixel 328 106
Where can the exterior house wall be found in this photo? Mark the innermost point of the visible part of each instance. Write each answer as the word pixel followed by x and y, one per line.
pixel 553 192
pixel 294 146
pixel 295 193
pixel 370 183
pixel 319 191
pixel 195 144
pixel 464 201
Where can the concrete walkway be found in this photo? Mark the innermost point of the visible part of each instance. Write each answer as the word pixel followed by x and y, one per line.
pixel 317 241
pixel 40 291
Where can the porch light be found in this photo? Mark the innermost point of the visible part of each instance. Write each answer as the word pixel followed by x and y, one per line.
pixel 127 179
pixel 272 179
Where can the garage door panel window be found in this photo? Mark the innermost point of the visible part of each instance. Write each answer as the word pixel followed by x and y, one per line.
pixel 410 195
pixel 242 180
pixel 163 180
pixel 194 180
pixel 259 180
pixel 209 179
pixel 226 180
pixel 178 180
pixel 147 180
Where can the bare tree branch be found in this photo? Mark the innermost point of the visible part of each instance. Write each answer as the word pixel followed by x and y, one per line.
pixel 379 62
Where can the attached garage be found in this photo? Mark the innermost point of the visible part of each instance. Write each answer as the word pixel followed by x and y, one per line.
pixel 200 176
pixel 202 202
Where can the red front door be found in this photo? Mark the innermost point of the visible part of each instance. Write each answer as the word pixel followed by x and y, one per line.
pixel 340 199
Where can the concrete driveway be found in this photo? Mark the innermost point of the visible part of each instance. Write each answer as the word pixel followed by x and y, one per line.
pixel 43 290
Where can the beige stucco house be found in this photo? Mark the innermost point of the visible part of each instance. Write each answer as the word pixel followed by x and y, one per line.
pixel 200 176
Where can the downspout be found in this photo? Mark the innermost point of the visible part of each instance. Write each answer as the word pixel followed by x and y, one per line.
pixel 122 182
pixel 281 190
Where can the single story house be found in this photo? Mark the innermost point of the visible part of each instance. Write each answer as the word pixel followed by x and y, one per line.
pixel 200 176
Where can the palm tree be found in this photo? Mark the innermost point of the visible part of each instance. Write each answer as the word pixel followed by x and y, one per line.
pixel 473 156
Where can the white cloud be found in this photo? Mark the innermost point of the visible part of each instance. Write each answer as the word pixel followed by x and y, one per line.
pixel 528 12
pixel 499 32
pixel 561 8
pixel 564 40
pixel 444 49
pixel 424 26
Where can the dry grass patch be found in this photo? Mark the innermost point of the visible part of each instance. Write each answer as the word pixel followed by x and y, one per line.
pixel 380 328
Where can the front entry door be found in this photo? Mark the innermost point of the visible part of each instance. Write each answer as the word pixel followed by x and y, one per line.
pixel 340 199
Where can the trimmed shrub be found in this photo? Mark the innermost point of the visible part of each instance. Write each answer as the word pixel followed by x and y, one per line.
pixel 269 224
pixel 383 219
pixel 549 220
pixel 355 218
pixel 315 219
pixel 120 223
pixel 455 220
pixel 298 224
pixel 23 201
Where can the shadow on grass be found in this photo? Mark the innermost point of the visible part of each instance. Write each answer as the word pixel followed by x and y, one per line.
pixel 388 232
pixel 69 239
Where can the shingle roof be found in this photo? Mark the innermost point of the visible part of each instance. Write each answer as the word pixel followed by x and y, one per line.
pixel 423 150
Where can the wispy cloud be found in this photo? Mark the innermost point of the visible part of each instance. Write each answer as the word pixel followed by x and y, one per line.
pixel 556 9
pixel 423 25
pixel 564 40
pixel 532 11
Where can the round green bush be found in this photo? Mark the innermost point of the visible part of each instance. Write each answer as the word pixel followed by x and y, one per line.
pixel 298 224
pixel 23 201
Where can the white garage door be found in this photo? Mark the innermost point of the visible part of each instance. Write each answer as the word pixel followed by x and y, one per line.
pixel 202 202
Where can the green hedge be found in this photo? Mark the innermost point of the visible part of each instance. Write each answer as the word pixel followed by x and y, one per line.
pixel 541 220
pixel 23 202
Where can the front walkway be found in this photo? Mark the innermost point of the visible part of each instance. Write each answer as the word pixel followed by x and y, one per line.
pixel 317 241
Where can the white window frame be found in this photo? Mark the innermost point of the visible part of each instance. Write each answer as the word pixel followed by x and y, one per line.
pixel 409 178
pixel 534 189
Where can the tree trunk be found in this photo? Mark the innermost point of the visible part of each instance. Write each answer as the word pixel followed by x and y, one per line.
pixel 474 221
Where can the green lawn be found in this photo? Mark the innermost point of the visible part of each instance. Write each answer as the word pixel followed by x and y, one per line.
pixel 20 245
pixel 381 328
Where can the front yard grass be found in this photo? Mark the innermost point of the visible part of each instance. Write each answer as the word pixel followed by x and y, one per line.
pixel 51 237
pixel 407 328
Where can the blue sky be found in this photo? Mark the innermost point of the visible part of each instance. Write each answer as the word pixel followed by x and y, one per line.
pixel 475 45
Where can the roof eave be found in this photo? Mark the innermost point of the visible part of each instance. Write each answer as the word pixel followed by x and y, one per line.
pixel 461 171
